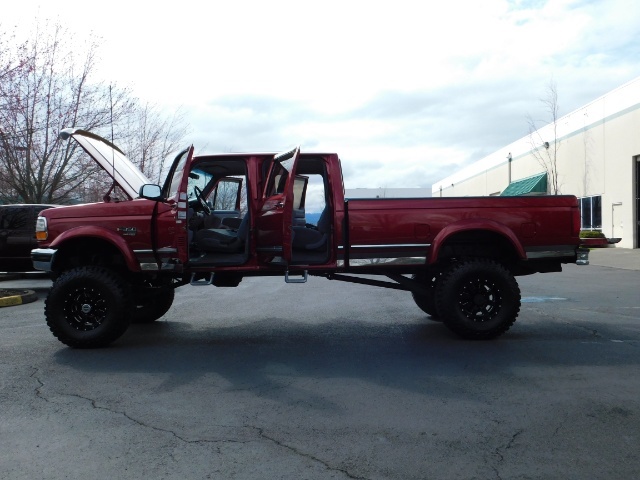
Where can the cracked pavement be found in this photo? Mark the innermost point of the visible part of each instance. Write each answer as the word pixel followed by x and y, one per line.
pixel 331 381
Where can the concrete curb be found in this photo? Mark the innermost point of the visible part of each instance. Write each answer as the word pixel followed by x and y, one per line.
pixel 12 276
pixel 6 277
pixel 13 297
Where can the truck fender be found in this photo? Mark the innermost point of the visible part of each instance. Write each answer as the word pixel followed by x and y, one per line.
pixel 473 224
pixel 100 233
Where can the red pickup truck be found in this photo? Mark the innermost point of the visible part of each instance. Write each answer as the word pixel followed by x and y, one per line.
pixel 220 218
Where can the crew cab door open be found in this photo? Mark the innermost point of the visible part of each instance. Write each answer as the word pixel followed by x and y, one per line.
pixel 171 225
pixel 275 217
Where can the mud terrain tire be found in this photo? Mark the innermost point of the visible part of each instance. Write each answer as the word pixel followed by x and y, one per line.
pixel 427 301
pixel 88 307
pixel 478 299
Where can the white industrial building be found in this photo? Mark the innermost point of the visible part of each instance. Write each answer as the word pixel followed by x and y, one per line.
pixel 597 152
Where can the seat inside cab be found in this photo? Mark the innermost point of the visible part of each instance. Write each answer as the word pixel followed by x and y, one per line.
pixel 219 219
pixel 312 214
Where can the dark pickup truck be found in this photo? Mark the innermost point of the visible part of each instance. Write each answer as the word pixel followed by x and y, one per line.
pixel 220 218
pixel 17 237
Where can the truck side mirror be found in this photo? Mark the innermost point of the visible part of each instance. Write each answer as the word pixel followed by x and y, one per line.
pixel 151 192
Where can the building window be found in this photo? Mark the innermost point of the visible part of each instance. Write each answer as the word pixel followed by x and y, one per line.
pixel 591 212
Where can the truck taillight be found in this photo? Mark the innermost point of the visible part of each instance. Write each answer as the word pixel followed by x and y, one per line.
pixel 41 229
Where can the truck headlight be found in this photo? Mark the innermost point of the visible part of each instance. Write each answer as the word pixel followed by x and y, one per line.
pixel 41 229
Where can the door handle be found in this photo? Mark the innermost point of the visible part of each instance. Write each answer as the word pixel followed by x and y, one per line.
pixel 280 205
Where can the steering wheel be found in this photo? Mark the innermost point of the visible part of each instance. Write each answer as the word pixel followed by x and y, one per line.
pixel 201 200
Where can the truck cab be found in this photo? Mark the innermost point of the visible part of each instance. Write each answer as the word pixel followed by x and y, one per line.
pixel 253 213
pixel 214 214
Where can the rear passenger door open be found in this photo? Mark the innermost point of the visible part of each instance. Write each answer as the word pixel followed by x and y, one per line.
pixel 275 216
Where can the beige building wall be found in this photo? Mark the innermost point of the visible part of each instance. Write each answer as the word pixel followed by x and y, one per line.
pixel 598 151
pixel 387 192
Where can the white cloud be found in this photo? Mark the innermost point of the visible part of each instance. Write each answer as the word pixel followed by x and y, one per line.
pixel 405 91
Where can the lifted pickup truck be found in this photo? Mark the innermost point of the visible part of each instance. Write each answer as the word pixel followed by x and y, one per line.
pixel 220 218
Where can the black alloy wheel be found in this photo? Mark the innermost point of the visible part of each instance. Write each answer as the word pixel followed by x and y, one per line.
pixel 478 298
pixel 88 307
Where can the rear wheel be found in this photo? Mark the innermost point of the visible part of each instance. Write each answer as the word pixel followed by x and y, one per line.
pixel 478 299
pixel 88 307
pixel 426 300
pixel 149 308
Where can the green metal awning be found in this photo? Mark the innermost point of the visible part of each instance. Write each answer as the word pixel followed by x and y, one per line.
pixel 533 184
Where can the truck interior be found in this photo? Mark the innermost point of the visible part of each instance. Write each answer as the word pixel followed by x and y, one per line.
pixel 219 217
pixel 312 213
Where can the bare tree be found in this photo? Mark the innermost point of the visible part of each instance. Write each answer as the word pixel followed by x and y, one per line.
pixel 47 86
pixel 10 57
pixel 545 150
pixel 149 138
pixel 49 91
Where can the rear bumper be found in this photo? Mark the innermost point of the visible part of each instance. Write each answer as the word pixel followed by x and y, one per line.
pixel 551 258
pixel 42 258
pixel 562 253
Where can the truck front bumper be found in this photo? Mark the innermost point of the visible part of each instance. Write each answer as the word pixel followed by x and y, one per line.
pixel 42 258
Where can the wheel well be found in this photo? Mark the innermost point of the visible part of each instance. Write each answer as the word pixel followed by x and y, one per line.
pixel 478 243
pixel 88 251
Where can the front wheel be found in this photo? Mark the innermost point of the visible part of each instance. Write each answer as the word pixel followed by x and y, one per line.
pixel 88 307
pixel 478 299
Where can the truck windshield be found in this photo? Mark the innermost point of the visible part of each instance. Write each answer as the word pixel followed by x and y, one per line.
pixel 197 178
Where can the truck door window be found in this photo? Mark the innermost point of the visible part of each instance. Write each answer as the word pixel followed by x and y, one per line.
pixel 299 191
pixel 16 218
pixel 279 175
pixel 175 176
pixel 277 180
pixel 315 200
pixel 227 194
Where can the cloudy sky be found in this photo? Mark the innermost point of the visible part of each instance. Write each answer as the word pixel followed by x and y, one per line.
pixel 407 92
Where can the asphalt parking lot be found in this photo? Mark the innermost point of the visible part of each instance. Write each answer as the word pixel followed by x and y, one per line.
pixel 333 381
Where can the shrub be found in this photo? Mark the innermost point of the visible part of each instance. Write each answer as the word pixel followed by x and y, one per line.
pixel 591 234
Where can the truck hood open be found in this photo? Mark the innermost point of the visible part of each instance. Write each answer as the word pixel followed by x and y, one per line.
pixel 110 158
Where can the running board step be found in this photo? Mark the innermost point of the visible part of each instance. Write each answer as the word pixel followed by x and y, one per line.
pixel 201 282
pixel 302 279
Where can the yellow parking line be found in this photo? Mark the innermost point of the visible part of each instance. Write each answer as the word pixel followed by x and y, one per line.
pixel 11 301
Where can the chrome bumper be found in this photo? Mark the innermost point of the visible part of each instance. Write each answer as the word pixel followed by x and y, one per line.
pixel 42 258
